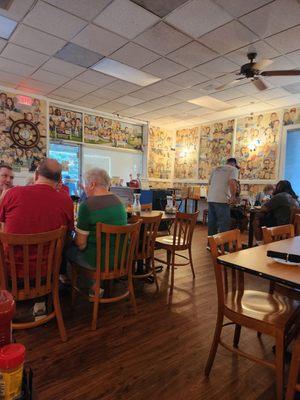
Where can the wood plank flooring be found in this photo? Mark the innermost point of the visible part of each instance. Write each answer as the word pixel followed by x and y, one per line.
pixel 158 354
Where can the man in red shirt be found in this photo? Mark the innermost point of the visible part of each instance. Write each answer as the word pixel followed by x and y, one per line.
pixel 37 208
pixel 6 178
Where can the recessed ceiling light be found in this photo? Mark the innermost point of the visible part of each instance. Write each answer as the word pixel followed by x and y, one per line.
pixel 7 27
pixel 123 71
pixel 211 103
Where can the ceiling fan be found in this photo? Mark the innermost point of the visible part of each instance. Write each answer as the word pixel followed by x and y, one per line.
pixel 253 70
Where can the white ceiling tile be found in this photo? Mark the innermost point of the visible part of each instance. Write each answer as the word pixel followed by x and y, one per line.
pixel 62 67
pixel 17 9
pixel 210 86
pixel 285 101
pixel 49 77
pixel 164 68
pixel 59 98
pixel 165 87
pixel 15 67
pixel 2 43
pixel 217 67
pixel 106 94
pixel 40 86
pixel 294 57
pixel 262 49
pixel 229 37
pixel 166 101
pixel 228 94
pixel 188 94
pixel 241 7
pixel 149 106
pixel 67 93
pixel 146 94
pixel 134 55
pixel 286 41
pixel 113 106
pixel 99 40
pixel 270 94
pixel 122 87
pixel 162 39
pixel 82 87
pixel 78 55
pixel 26 56
pixel 242 101
pixel 132 111
pixel 198 17
pixel 36 40
pixel 95 78
pixel 126 18
pixel 192 54
pixel 278 81
pixel 274 17
pixel 188 79
pixel 87 9
pixel 281 62
pixel 129 100
pixel 90 101
pixel 54 21
pixel 9 78
pixel 250 89
pixel 183 107
pixel 87 104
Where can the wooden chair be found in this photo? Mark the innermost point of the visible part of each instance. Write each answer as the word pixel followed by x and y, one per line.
pixel 146 207
pixel 125 239
pixel 274 234
pixel 144 250
pixel 29 268
pixel 180 240
pixel 293 386
pixel 296 223
pixel 205 216
pixel 271 314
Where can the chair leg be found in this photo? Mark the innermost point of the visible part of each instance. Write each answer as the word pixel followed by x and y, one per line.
pixel 191 262
pixel 74 276
pixel 259 335
pixel 172 275
pixel 237 334
pixel 59 317
pixel 168 259
pixel 95 312
pixel 132 295
pixel 214 345
pixel 154 272
pixel 294 372
pixel 272 287
pixel 279 362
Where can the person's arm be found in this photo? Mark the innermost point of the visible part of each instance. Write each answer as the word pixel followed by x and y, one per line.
pixel 81 238
pixel 233 189
pixel 82 230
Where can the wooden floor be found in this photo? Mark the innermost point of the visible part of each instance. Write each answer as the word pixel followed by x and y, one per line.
pixel 158 354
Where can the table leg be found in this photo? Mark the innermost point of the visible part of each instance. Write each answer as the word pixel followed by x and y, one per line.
pixel 251 231
pixel 185 205
pixel 195 205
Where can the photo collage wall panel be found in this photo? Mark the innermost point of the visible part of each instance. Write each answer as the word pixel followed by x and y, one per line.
pixel 112 133
pixel 215 146
pixel 160 154
pixel 65 124
pixel 23 141
pixel 291 116
pixel 186 155
pixel 256 146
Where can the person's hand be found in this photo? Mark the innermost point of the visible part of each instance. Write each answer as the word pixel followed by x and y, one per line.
pixel 232 201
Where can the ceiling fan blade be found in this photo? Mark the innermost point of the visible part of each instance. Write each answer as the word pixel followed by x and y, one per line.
pixel 290 72
pixel 262 64
pixel 232 83
pixel 260 85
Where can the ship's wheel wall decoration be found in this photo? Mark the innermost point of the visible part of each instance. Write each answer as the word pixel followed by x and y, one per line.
pixel 25 133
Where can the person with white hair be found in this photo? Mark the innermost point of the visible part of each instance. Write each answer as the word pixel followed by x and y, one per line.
pixel 100 206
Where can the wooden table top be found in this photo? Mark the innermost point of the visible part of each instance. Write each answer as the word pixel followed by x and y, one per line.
pixel 256 262
pixel 154 213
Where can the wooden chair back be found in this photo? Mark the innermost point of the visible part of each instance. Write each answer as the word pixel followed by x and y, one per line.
pixel 276 233
pixel 227 280
pixel 296 223
pixel 115 250
pixel 30 263
pixel 184 226
pixel 148 233
pixel 146 207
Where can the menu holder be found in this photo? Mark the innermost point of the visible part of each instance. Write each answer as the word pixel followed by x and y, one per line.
pixel 294 258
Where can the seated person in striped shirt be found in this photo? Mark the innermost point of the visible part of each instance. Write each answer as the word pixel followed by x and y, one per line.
pixel 100 206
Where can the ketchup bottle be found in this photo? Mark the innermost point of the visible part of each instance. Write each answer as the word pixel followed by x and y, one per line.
pixel 7 310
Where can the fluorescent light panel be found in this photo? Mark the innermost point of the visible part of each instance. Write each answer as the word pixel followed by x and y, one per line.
pixel 211 103
pixel 7 27
pixel 123 71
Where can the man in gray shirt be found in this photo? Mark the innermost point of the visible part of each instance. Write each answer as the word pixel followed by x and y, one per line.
pixel 221 193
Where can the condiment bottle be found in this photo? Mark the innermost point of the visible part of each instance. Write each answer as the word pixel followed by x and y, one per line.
pixel 7 310
pixel 12 359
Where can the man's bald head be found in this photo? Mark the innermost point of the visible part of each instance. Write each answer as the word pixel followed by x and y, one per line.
pixel 50 169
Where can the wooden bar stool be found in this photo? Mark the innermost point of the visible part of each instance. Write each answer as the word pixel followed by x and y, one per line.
pixel 111 264
pixel 29 268
pixel 180 240
pixel 271 314
pixel 293 386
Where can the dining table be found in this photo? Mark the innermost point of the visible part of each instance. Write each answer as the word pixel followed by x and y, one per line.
pixel 255 261
pixel 165 216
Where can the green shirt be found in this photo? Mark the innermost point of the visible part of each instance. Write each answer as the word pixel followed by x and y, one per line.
pixel 107 209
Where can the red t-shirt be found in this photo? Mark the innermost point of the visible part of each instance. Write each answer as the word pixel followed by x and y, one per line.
pixel 35 209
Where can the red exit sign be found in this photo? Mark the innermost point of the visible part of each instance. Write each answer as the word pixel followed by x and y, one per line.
pixel 26 100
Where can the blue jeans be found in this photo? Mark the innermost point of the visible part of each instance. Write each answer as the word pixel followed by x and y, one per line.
pixel 218 218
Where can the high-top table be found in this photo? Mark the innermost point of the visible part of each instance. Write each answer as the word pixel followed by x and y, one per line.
pixel 255 261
